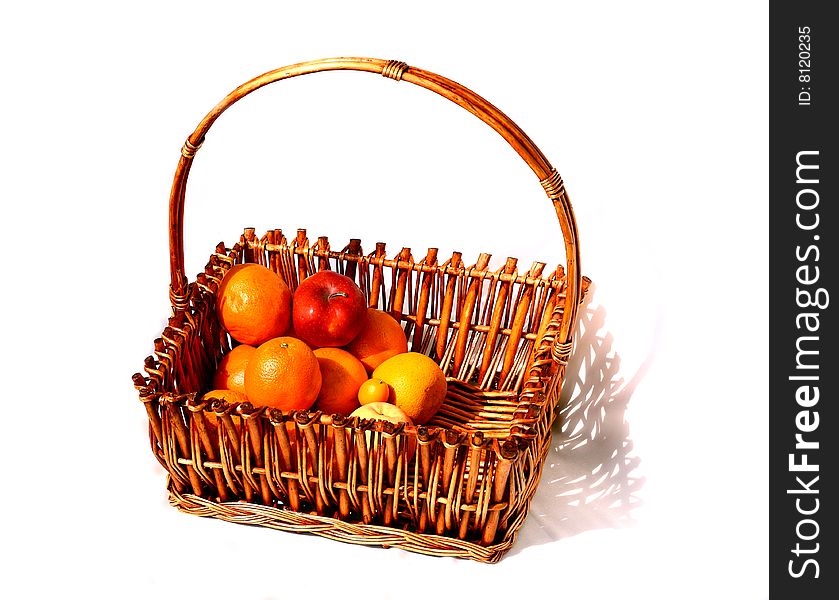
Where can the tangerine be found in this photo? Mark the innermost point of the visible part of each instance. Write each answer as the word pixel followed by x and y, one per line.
pixel 283 373
pixel 373 390
pixel 381 337
pixel 342 375
pixel 230 374
pixel 254 304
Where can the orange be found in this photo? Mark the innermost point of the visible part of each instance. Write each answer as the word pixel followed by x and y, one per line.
pixel 230 374
pixel 254 304
pixel 417 384
pixel 373 390
pixel 283 373
pixel 342 374
pixel 380 338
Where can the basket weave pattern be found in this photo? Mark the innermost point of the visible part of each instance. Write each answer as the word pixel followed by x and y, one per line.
pixel 460 485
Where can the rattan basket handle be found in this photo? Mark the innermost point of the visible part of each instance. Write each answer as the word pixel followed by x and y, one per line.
pixel 548 176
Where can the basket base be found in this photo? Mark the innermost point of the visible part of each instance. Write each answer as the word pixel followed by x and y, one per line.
pixel 281 519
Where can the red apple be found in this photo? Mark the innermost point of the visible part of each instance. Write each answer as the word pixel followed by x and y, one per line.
pixel 328 310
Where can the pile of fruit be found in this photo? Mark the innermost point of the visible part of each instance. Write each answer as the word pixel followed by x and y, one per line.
pixel 319 348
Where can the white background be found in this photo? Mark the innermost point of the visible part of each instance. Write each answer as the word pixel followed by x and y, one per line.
pixel 656 115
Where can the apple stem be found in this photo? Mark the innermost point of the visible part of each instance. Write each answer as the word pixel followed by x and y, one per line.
pixel 339 295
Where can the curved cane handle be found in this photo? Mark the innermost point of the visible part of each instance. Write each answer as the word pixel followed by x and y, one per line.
pixel 447 88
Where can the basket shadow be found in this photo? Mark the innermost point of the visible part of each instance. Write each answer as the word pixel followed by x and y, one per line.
pixel 588 480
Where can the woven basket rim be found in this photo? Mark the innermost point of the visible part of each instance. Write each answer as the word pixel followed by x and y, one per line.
pixel 197 401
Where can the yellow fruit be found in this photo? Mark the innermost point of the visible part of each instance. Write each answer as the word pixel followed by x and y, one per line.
pixel 383 411
pixel 417 384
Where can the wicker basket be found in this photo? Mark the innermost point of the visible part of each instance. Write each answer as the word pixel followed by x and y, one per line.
pixel 458 486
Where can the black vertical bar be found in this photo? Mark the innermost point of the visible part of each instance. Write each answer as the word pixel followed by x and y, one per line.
pixel 803 222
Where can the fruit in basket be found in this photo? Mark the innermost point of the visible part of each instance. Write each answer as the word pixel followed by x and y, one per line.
pixel 230 374
pixel 329 310
pixel 417 384
pixel 380 338
pixel 254 304
pixel 283 373
pixel 341 375
pixel 383 411
pixel 373 390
